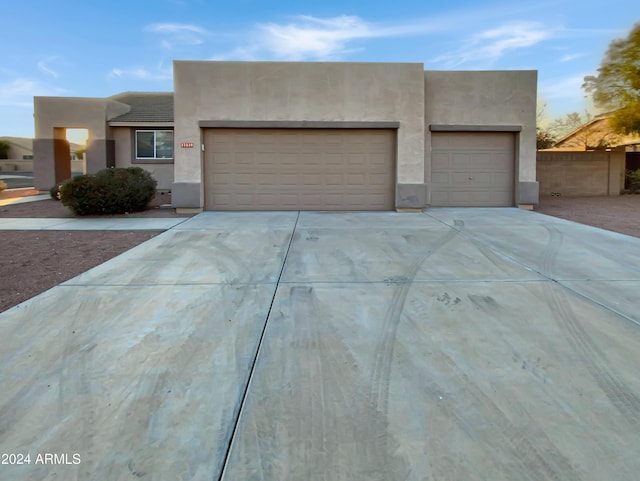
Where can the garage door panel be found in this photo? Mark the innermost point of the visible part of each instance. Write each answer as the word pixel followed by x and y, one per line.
pixel 439 197
pixel 503 178
pixel 286 179
pixel 311 179
pixel 472 169
pixel 377 179
pixel 378 160
pixel 333 180
pixel 440 178
pixel 459 160
pixel 476 179
pixel 299 169
pixel 439 160
pixel 483 160
pixel 355 159
pixel 477 197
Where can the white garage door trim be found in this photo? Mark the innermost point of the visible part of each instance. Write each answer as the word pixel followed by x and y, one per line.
pixel 299 169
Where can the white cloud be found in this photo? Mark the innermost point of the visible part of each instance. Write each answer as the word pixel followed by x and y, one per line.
pixel 161 73
pixel 174 28
pixel 178 34
pixel 20 92
pixel 310 37
pixel 43 67
pixel 306 37
pixel 571 56
pixel 489 45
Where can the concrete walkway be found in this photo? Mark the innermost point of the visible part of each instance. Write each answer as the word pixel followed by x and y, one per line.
pixel 113 223
pixel 455 344
pixel 106 223
pixel 24 200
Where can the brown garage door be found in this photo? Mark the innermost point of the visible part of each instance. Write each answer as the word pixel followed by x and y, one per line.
pixel 292 169
pixel 472 169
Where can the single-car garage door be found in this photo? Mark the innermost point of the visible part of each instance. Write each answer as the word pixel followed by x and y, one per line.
pixel 306 169
pixel 472 169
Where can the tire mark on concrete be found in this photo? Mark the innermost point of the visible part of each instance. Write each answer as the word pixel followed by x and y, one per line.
pixel 238 265
pixel 383 355
pixel 311 401
pixel 491 256
pixel 332 431
pixel 323 368
pixel 521 457
pixel 624 400
pixel 75 396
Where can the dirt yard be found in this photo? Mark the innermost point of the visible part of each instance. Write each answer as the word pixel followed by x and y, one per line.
pixel 34 261
pixel 618 214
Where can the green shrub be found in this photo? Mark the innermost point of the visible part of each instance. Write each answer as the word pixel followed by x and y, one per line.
pixel 632 181
pixel 4 150
pixel 3 185
pixel 109 191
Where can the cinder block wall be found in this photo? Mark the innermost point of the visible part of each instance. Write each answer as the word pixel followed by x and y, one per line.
pixel 580 174
pixel 12 165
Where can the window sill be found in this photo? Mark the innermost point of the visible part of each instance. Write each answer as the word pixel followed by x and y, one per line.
pixel 152 161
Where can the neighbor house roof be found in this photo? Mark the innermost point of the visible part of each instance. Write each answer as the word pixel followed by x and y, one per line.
pixel 145 107
pixel 21 142
pixel 593 131
pixel 26 143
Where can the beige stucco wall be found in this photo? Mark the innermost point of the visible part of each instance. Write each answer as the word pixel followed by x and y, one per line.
pixel 581 174
pixel 123 137
pixel 15 162
pixel 12 165
pixel 53 115
pixel 311 91
pixel 73 112
pixel 485 98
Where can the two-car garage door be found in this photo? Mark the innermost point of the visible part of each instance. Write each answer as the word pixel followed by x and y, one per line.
pixel 349 169
pixel 472 169
pixel 306 169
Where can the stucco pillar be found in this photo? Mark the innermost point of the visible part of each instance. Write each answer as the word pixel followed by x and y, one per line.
pixel 100 154
pixel 51 160
pixel 62 156
pixel 44 169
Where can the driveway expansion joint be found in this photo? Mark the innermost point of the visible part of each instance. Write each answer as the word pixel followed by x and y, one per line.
pixel 243 399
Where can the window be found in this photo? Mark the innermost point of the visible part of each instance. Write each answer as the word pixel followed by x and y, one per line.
pixel 154 144
pixel 27 157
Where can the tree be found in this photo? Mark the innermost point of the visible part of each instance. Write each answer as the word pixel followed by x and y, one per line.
pixel 587 131
pixel 4 149
pixel 544 137
pixel 617 85
pixel 570 122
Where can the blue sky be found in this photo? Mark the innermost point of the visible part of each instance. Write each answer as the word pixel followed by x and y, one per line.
pixel 97 49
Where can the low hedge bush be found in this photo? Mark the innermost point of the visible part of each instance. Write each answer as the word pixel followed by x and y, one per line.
pixel 632 181
pixel 109 191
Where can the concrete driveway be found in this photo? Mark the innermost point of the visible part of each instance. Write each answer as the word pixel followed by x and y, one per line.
pixel 457 344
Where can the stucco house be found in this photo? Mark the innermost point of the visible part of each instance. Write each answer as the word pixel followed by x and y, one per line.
pixel 311 135
pixel 20 155
pixel 597 134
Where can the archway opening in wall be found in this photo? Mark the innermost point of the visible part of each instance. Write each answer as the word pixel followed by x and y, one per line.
pixel 77 139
